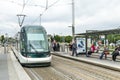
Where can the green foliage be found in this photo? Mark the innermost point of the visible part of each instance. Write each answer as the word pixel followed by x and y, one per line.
pixel 57 38
pixel 113 37
pixel 68 39
pixel 63 38
pixel 10 39
pixel 2 38
pixel 110 38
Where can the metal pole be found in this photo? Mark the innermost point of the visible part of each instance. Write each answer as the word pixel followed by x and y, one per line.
pixel 46 4
pixel 5 44
pixel 73 20
pixel 4 48
pixel 40 19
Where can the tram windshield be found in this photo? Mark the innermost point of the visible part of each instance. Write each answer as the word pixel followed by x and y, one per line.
pixel 37 42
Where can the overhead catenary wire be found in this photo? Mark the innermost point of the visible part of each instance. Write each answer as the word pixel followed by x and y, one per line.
pixel 16 3
pixel 54 3
pixel 25 3
pixel 46 8
pixel 21 4
pixel 21 16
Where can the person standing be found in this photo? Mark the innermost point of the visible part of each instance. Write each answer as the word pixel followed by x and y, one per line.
pixel 70 46
pixel 54 45
pixel 58 46
pixel 74 48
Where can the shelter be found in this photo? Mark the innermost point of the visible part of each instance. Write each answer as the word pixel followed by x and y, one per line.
pixel 95 34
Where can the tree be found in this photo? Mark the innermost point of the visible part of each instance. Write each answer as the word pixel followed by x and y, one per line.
pixel 113 38
pixel 57 38
pixel 2 38
pixel 68 39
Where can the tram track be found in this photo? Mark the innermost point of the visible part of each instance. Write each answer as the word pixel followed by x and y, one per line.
pixel 90 72
pixel 46 73
pixel 66 69
pixel 34 75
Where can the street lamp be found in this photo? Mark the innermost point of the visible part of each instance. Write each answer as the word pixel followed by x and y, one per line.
pixel 73 31
pixel 73 21
pixel 5 43
pixel 40 19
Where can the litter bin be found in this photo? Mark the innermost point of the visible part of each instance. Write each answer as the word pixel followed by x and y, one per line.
pixel 62 46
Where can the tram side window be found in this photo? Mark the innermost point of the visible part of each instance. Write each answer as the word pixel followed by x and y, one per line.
pixel 22 43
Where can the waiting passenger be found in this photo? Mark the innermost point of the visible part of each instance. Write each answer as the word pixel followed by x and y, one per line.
pixel 70 46
pixel 92 50
pixel 105 52
pixel 57 46
pixel 54 45
pixel 116 53
pixel 74 48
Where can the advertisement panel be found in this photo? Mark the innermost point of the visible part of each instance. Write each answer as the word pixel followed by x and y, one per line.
pixel 81 45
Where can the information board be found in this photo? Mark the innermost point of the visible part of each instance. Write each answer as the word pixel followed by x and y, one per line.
pixel 81 45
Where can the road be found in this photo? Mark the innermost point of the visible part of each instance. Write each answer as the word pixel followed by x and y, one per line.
pixel 66 69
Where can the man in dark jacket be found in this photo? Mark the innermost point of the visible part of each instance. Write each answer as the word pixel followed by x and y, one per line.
pixel 74 48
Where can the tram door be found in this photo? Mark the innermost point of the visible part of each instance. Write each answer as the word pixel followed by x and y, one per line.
pixel 23 43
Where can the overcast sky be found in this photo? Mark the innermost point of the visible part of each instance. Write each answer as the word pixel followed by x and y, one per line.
pixel 57 15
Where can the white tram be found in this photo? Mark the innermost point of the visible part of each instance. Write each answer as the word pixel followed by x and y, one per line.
pixel 33 47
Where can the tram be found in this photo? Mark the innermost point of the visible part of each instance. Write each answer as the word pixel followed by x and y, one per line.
pixel 33 47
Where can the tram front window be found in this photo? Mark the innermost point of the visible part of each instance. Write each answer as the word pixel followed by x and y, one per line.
pixel 37 43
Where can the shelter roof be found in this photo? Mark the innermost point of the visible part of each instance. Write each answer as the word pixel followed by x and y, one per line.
pixel 97 32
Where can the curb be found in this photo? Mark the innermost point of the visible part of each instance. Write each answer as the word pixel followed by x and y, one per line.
pixel 104 65
pixel 22 75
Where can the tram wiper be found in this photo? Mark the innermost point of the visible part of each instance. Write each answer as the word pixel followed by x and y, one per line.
pixel 33 48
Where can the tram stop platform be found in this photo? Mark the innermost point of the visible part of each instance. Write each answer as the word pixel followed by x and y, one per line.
pixel 3 67
pixel 93 59
pixel 10 69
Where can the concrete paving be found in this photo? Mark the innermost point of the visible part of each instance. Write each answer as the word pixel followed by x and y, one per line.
pixel 114 65
pixel 3 67
pixel 10 69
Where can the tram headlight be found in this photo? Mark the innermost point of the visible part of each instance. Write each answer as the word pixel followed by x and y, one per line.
pixel 49 54
pixel 24 54
pixel 29 56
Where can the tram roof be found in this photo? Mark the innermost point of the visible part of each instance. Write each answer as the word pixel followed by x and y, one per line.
pixel 32 26
pixel 98 32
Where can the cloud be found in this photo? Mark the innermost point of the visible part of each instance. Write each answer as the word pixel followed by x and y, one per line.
pixel 57 28
pixel 98 14
pixel 89 14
